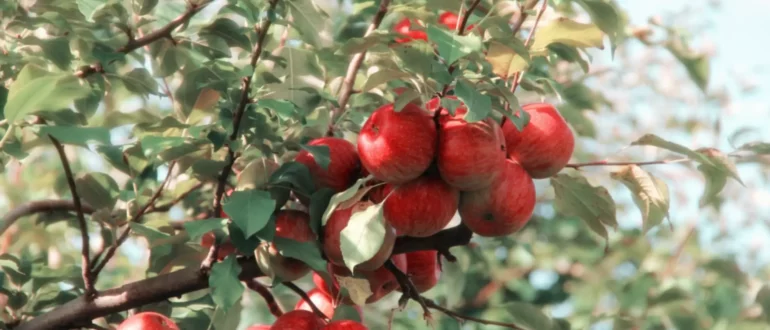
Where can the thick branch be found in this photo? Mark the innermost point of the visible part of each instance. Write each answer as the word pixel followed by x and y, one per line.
pixel 441 241
pixel 129 296
pixel 163 32
pixel 42 206
pixel 88 279
pixel 346 89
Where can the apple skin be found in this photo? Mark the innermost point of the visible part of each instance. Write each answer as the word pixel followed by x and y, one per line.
pixel 258 327
pixel 298 320
pixel 450 20
pixel 404 27
pixel 323 301
pixel 546 144
pixel 148 321
pixel 471 156
pixel 397 147
pixel 343 167
pixel 333 228
pixel 421 207
pixel 289 224
pixel 226 248
pixel 345 325
pixel 503 208
pixel 423 268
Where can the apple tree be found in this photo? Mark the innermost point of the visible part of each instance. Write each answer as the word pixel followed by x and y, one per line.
pixel 298 164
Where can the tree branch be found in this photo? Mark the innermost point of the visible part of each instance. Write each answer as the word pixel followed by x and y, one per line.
pixel 48 205
pixel 608 163
pixel 433 305
pixel 304 296
pixel 527 6
pixel 346 89
pixel 124 236
pixel 408 288
pixel 167 206
pixel 272 304
pixel 163 32
pixel 88 278
pixel 441 241
pixel 237 117
pixel 517 77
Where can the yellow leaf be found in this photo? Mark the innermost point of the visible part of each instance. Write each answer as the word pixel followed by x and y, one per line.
pixel 505 62
pixel 568 32
pixel 358 288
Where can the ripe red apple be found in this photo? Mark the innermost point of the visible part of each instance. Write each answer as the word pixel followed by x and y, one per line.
pixel 381 281
pixel 423 268
pixel 289 224
pixel 345 325
pixel 378 194
pixel 323 301
pixel 503 208
pixel 421 207
pixel 226 248
pixel 545 145
pixel 298 320
pixel 397 147
pixel 471 156
pixel 343 165
pixel 451 20
pixel 148 321
pixel 333 228
pixel 404 27
pixel 258 327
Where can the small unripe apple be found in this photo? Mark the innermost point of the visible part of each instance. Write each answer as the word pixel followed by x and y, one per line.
pixel 289 224
pixel 148 321
pixel 421 207
pixel 503 208
pixel 397 147
pixel 323 301
pixel 470 156
pixel 545 145
pixel 338 221
pixel 343 167
pixel 345 325
pixel 423 269
pixel 298 320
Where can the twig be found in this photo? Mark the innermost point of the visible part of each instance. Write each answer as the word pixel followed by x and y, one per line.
pixel 272 304
pixel 608 163
pixel 163 32
pixel 517 77
pixel 167 206
pixel 346 89
pixel 431 304
pixel 408 288
pixel 124 236
pixel 88 277
pixel 302 294
pixel 528 6
pixel 41 206
pixel 237 117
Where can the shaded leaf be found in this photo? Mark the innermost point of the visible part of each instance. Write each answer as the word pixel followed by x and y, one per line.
pixel 383 76
pixel 229 31
pixel 308 19
pixel 307 252
pixel 48 92
pixel 249 209
pixel 98 190
pixel 451 46
pixel 721 162
pixel 344 196
pixel 650 194
pixel 320 155
pixel 576 197
pixel 479 105
pixel 606 16
pixel 196 229
pixel 284 109
pixel 79 136
pixel 140 82
pixel 226 288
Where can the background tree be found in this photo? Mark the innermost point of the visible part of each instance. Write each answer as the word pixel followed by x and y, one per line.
pixel 148 145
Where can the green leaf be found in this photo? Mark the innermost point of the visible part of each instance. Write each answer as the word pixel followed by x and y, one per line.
pixel 320 155
pixel 58 51
pixel 346 312
pixel 49 92
pixel 451 46
pixel 721 162
pixel 363 236
pixel 88 7
pixel 196 229
pixel 153 145
pixel 763 299
pixel 654 140
pixel 528 316
pixel 284 109
pixel 308 19
pixel 98 190
pixel 307 252
pixel 247 245
pixel 696 64
pixel 715 182
pixel 576 197
pixel 19 271
pixel 405 98
pixel 383 76
pixel 606 16
pixel 357 45
pixel 566 31
pixel 140 81
pixel 650 194
pixel 226 288
pixel 479 105
pixel 79 136
pixel 318 204
pixel 296 175
pixel 670 295
pixel 147 6
pixel 229 31
pixel 759 148
pixel 249 209
pixel 344 196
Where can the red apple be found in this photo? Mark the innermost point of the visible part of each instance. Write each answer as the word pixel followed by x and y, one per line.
pixel 321 284
pixel 404 27
pixel 343 165
pixel 289 224
pixel 226 248
pixel 503 208
pixel 451 20
pixel 381 281
pixel 378 194
pixel 545 145
pixel 397 147
pixel 423 269
pixel 258 327
pixel 323 301
pixel 333 228
pixel 421 207
pixel 298 320
pixel 148 321
pixel 345 325
pixel 471 156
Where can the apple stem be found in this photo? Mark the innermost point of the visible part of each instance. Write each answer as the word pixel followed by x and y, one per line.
pixel 263 291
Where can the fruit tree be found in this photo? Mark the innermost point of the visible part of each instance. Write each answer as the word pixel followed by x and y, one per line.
pixel 380 164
